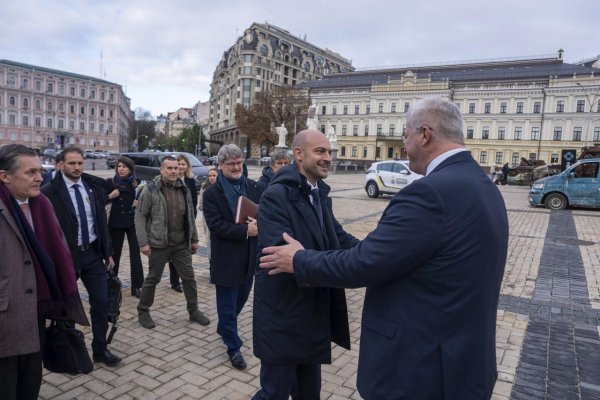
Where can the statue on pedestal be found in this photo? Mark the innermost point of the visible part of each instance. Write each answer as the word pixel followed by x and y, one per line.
pixel 312 120
pixel 282 133
pixel 332 137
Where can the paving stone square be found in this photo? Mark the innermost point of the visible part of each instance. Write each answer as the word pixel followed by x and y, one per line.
pixel 547 340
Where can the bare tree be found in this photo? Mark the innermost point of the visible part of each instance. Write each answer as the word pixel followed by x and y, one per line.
pixel 282 105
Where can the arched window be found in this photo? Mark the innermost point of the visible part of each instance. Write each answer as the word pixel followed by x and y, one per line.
pixel 306 66
pixel 278 54
pixel 264 50
pixel 26 103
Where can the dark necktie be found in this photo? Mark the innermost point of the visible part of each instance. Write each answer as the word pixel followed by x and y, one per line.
pixel 85 233
pixel 316 202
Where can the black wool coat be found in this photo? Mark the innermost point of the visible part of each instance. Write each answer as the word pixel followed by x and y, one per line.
pixel 58 194
pixel 294 324
pixel 122 212
pixel 233 253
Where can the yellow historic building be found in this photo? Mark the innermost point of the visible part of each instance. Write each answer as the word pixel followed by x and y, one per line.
pixel 530 108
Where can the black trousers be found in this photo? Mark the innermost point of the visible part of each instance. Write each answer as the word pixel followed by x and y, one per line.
pixel 278 382
pixel 21 376
pixel 117 237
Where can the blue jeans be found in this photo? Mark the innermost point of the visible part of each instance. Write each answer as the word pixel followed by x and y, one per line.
pixel 230 301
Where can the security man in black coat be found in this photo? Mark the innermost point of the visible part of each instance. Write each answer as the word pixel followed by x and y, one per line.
pixel 294 326
pixel 79 203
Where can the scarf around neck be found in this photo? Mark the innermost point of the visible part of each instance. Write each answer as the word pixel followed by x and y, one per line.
pixel 57 292
pixel 232 189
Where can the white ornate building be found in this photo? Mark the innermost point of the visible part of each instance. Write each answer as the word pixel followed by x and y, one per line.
pixel 264 57
pixel 45 108
pixel 532 107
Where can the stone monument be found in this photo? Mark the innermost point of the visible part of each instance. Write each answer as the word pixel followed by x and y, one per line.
pixel 332 137
pixel 282 133
pixel 312 120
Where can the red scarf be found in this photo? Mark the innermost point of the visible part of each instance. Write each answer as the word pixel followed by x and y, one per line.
pixel 57 292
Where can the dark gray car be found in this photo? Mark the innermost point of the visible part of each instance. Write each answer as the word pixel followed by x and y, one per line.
pixel 147 165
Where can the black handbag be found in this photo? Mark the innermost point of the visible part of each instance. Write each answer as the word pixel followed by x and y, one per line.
pixel 64 349
pixel 115 298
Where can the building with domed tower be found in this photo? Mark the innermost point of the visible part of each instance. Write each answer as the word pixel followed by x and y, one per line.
pixel 262 58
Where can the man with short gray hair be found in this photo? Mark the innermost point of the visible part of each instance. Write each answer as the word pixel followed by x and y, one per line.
pixel 432 267
pixel 278 159
pixel 232 246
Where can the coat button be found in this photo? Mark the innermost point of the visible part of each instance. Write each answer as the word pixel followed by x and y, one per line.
pixel 29 291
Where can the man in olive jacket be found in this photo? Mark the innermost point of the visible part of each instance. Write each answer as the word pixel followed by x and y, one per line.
pixel 166 230
pixel 293 325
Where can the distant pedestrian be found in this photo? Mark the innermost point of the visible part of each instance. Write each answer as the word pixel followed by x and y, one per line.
pixel 210 180
pixel 278 159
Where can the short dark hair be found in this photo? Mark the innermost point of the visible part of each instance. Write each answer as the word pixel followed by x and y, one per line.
pixel 60 156
pixel 71 149
pixel 10 153
pixel 168 158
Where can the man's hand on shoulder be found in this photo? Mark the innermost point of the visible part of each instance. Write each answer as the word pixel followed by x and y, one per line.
pixel 281 258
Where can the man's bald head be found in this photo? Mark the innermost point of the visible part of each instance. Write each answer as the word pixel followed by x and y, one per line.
pixel 312 154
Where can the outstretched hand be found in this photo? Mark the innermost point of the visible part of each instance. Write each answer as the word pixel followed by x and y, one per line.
pixel 281 258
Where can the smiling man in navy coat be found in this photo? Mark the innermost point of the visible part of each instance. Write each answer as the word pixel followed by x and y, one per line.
pixel 432 267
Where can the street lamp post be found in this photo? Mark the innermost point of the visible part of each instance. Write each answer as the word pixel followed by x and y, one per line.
pixel 591 101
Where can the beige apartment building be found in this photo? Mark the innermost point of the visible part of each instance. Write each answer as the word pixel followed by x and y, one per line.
pixel 45 108
pixel 264 57
pixel 530 108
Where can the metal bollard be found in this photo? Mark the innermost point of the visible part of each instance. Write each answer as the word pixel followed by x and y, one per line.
pixel 93 166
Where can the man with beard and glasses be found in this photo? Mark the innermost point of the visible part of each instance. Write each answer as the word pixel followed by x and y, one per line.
pixel 37 279
pixel 294 325
pixel 79 203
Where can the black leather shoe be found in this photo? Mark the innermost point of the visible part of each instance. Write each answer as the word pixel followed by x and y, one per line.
pixel 136 292
pixel 106 357
pixel 177 288
pixel 237 360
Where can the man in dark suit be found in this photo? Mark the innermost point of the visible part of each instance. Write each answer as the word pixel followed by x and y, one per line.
pixel 232 246
pixel 79 200
pixel 293 325
pixel 432 267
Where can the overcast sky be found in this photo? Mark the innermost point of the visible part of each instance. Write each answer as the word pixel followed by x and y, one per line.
pixel 165 52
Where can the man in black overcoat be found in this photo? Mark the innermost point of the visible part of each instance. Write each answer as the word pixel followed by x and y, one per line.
pixel 294 326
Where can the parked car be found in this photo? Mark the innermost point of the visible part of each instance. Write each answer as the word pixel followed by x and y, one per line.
pixel 98 155
pixel 111 160
pixel 147 165
pixel 213 160
pixel 388 177
pixel 88 154
pixel 264 161
pixel 205 160
pixel 578 186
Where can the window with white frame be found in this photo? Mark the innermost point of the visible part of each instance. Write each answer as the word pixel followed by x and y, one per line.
pixel 518 133
pixel 380 107
pixel 501 133
pixel 498 157
pixel 392 129
pixel 580 105
pixel 355 130
pixel 379 129
pixel 354 150
pixel 487 108
pixel 503 106
pixel 483 157
pixel 393 107
pixel 406 106
pixel 470 131
pixel 577 134
pixel 535 133
pixel 557 133
pixel 471 108
pixel 367 130
pixel 537 107
pixel 596 134
pixel 519 107
pixel 25 120
pixel 334 110
pixel 49 123
pixel 344 130
pixel 356 109
pixel 345 109
pixel 485 132
pixel 12 119
pixel 515 158
pixel 560 106
pixel 38 122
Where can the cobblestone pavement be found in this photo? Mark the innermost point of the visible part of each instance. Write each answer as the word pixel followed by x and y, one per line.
pixel 548 344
